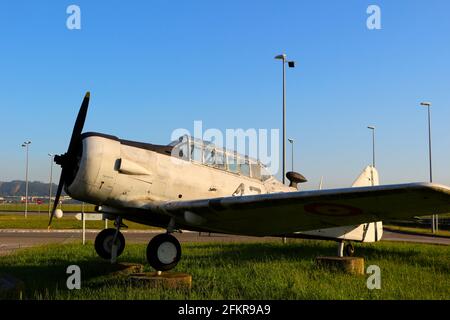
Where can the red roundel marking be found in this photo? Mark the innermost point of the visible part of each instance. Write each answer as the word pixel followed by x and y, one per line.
pixel 332 210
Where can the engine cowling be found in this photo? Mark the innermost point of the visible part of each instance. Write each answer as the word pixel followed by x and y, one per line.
pixel 97 171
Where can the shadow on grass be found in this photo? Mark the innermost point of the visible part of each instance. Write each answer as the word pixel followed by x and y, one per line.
pixel 293 251
pixel 45 279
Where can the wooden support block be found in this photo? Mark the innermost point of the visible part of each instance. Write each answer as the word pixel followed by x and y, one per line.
pixel 172 280
pixel 352 265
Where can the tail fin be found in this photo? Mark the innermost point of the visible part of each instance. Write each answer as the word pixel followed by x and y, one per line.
pixel 367 178
pixel 374 230
pixel 367 232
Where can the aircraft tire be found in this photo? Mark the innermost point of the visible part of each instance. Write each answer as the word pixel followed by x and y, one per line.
pixel 163 252
pixel 103 243
pixel 349 250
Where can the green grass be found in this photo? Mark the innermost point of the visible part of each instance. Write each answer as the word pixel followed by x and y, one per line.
pixel 34 221
pixel 33 207
pixel 241 271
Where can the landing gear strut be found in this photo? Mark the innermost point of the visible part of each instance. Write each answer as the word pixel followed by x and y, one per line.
pixel 110 243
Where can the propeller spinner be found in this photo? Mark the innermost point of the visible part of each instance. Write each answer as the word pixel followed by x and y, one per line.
pixel 68 160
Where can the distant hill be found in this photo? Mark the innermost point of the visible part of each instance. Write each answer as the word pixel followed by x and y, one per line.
pixel 17 188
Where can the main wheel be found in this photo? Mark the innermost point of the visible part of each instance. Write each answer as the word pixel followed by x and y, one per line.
pixel 104 242
pixel 163 252
pixel 349 250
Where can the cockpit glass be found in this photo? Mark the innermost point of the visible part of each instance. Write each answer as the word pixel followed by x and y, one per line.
pixel 220 160
pixel 256 170
pixel 245 168
pixel 265 174
pixel 232 164
pixel 209 155
pixel 196 152
pixel 204 152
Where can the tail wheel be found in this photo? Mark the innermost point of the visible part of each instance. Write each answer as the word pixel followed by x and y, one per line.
pixel 104 243
pixel 163 252
pixel 349 250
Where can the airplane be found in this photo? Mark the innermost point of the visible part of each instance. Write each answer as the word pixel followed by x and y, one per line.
pixel 193 185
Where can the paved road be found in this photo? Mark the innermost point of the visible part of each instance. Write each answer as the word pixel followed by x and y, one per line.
pixel 15 239
pixel 404 237
pixel 11 240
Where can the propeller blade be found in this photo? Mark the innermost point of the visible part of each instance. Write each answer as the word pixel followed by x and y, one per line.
pixel 57 196
pixel 68 160
pixel 79 123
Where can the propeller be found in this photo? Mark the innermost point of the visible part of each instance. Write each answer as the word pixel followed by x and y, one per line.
pixel 68 161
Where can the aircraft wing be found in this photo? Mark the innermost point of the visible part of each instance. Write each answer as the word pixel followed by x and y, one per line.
pixel 282 213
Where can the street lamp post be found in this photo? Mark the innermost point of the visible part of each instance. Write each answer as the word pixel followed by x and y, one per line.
pixel 292 153
pixel 434 217
pixel 291 64
pixel 50 187
pixel 25 145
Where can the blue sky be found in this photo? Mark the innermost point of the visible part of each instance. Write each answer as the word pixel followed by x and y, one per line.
pixel 154 66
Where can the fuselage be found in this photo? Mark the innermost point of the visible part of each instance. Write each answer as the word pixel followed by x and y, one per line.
pixel 113 171
pixel 121 175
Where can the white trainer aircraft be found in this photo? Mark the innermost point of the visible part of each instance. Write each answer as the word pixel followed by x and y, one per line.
pixel 193 185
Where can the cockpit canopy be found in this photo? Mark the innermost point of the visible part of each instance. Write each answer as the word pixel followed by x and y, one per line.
pixel 206 153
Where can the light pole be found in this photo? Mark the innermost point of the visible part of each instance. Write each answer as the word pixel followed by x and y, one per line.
pixel 291 64
pixel 373 144
pixel 50 187
pixel 25 145
pixel 434 218
pixel 291 141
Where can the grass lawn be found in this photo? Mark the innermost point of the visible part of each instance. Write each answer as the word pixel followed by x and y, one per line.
pixel 241 271
pixel 35 221
pixel 33 207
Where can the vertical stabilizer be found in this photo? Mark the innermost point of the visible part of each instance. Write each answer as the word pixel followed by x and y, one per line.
pixel 367 232
pixel 367 178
